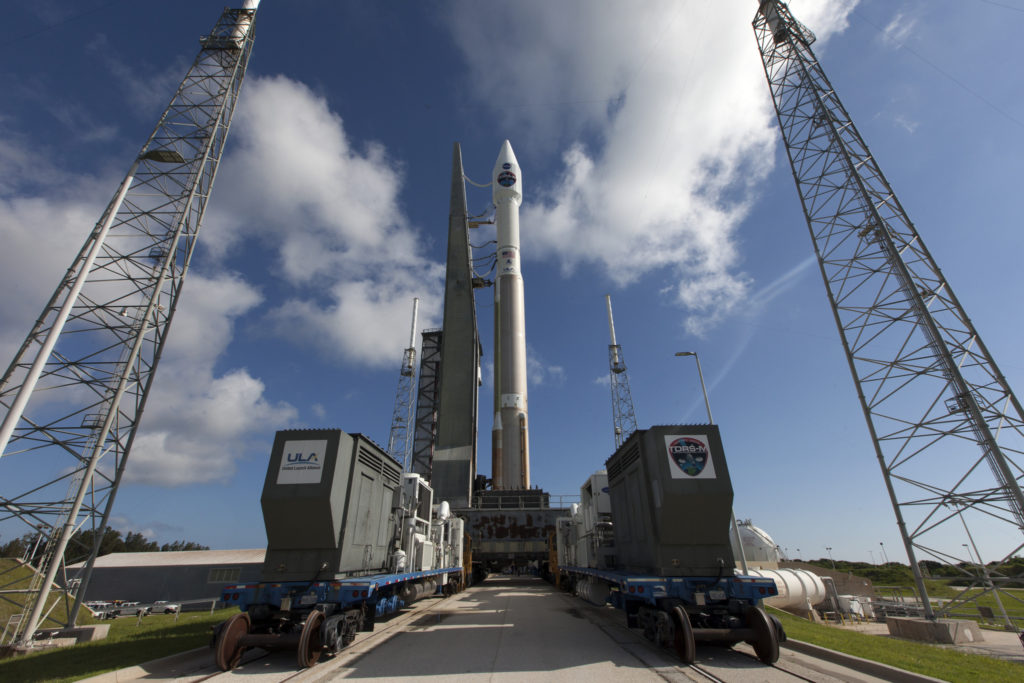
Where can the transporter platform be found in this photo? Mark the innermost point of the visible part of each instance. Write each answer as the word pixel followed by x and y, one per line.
pixel 511 529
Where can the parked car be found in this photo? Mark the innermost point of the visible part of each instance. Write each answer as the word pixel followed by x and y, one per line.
pixel 125 609
pixel 97 607
pixel 166 607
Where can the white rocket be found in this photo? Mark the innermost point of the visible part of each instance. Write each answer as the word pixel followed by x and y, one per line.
pixel 510 435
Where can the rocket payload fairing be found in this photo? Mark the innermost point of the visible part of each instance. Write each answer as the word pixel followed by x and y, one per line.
pixel 510 434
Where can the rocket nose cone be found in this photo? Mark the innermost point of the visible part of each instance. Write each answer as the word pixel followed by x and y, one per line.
pixel 506 178
pixel 506 153
pixel 505 156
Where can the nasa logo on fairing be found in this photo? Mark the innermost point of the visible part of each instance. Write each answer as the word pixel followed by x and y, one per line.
pixel 689 457
pixel 506 178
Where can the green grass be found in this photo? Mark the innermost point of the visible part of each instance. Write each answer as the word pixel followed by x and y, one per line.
pixel 15 576
pixel 1013 599
pixel 126 645
pixel 931 660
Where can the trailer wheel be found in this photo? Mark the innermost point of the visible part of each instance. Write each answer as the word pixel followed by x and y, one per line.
pixel 310 643
pixel 686 647
pixel 765 641
pixel 228 651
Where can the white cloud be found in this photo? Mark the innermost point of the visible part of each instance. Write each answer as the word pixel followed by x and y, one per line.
pixel 671 129
pixel 540 373
pixel 330 210
pixel 43 229
pixel 905 123
pixel 196 421
pixel 146 88
pixel 897 30
pixel 824 18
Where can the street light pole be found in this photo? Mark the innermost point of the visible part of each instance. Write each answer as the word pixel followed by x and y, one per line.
pixel 829 549
pixel 883 552
pixel 707 407
pixel 983 571
pixel 969 554
pixel 703 388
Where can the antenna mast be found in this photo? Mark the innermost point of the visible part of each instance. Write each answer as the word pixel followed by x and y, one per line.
pixel 75 391
pixel 401 417
pixel 947 430
pixel 623 415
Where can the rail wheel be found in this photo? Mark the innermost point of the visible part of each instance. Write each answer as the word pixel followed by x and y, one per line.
pixel 353 621
pixel 310 642
pixel 229 652
pixel 765 641
pixel 686 648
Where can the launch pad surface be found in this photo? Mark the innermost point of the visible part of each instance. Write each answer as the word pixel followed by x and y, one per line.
pixel 506 629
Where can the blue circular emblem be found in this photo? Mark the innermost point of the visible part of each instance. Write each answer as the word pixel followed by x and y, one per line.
pixel 506 165
pixel 689 454
pixel 506 178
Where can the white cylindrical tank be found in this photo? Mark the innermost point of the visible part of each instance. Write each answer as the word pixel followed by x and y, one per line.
pixel 798 588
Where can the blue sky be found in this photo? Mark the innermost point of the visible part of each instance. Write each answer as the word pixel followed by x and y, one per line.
pixel 653 171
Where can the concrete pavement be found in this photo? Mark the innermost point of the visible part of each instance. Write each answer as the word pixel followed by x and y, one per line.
pixel 510 629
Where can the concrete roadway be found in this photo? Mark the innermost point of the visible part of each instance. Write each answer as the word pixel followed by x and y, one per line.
pixel 522 629
pixel 506 629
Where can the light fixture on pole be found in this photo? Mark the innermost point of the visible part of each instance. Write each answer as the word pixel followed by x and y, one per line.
pixel 700 374
pixel 829 549
pixel 968 549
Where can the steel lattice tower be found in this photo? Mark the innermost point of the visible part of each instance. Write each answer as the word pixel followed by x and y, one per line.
pixel 75 391
pixel 946 428
pixel 623 415
pixel 405 396
pixel 421 460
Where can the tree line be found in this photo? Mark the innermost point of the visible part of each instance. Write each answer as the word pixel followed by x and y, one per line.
pixel 896 574
pixel 32 545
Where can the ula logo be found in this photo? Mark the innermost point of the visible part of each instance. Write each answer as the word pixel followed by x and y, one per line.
pixel 303 457
pixel 690 455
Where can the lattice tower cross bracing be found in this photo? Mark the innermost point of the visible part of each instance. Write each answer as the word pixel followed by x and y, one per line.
pixel 95 346
pixel 623 414
pixel 947 430
pixel 421 459
pixel 399 438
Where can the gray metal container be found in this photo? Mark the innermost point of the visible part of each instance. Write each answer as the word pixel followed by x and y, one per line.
pixel 672 510
pixel 327 506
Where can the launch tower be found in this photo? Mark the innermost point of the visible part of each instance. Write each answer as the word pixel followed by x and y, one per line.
pixel 400 436
pixel 946 428
pixel 623 414
pixel 74 393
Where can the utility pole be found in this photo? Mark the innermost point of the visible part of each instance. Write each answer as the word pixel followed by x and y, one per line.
pixel 405 395
pixel 944 423
pixel 623 415
pixel 93 351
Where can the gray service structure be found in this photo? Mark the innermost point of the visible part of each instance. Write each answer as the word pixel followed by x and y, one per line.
pixel 453 467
